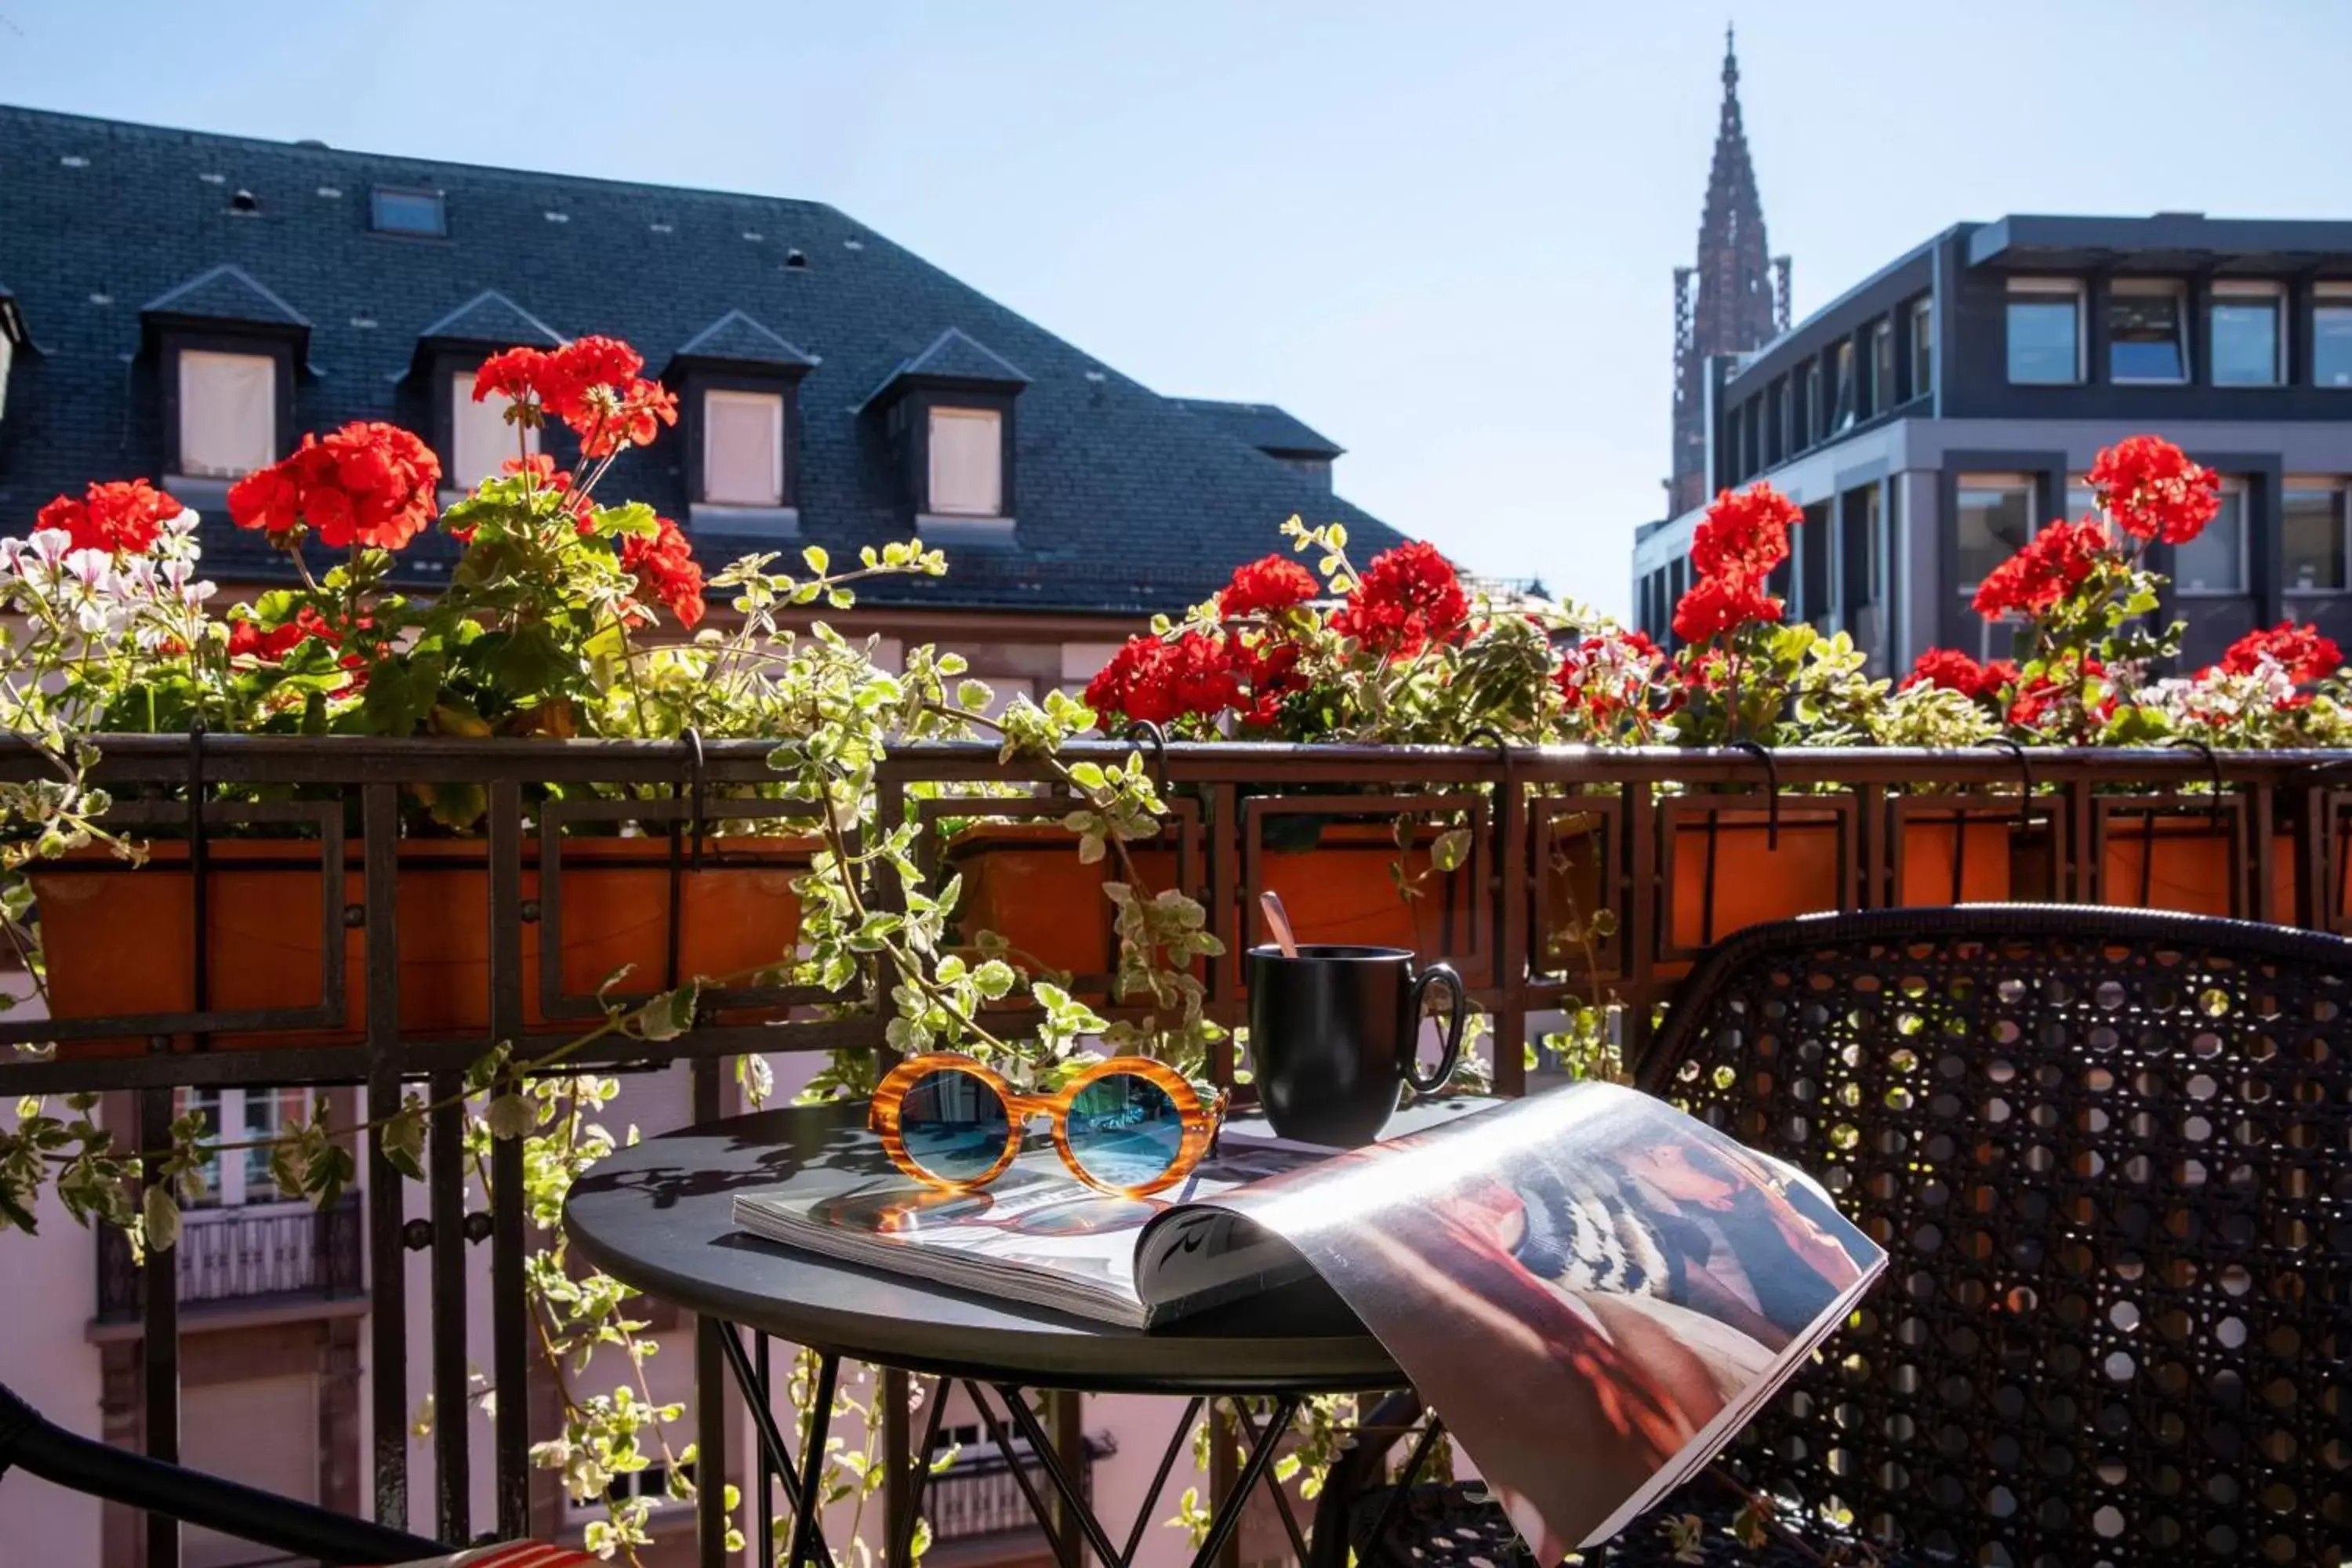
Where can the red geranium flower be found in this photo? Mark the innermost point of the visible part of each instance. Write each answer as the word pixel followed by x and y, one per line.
pixel 1410 597
pixel 121 515
pixel 2046 570
pixel 1133 683
pixel 590 383
pixel 367 483
pixel 1276 581
pixel 247 638
pixel 1606 676
pixel 2153 492
pixel 2036 701
pixel 1268 669
pixel 1719 605
pixel 1745 533
pixel 2303 652
pixel 663 566
pixel 1955 671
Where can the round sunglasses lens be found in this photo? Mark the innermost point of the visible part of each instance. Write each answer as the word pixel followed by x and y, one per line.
pixel 1125 1130
pixel 954 1125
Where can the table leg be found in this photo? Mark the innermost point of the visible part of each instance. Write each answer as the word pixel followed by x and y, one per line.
pixel 900 1549
pixel 1160 1479
pixel 1228 1516
pixel 771 1439
pixel 805 1530
pixel 764 1513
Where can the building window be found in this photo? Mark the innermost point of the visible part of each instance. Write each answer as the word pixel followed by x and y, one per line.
pixel 8 358
pixel 1809 406
pixel 1996 516
pixel 743 448
pixel 1751 443
pixel 2045 332
pixel 228 412
pixel 967 462
pixel 1923 347
pixel 2311 526
pixel 481 442
pixel 2147 331
pixel 1784 428
pixel 1842 389
pixel 395 211
pixel 1882 367
pixel 2331 336
pixel 2215 561
pixel 2247 342
pixel 253 1116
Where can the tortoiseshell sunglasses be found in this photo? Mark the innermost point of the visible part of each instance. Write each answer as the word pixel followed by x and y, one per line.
pixel 1130 1125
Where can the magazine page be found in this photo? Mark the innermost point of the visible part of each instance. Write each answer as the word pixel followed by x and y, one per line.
pixel 1036 1234
pixel 1592 1289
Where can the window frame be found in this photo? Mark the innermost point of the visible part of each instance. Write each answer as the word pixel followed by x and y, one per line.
pixel 460 403
pixel 2171 289
pixel 171 344
pixel 780 398
pixel 1882 367
pixel 2046 290
pixel 1922 315
pixel 439 198
pixel 2337 487
pixel 953 409
pixel 2228 290
pixel 2334 296
pixel 1843 393
pixel 2003 481
pixel 2231 486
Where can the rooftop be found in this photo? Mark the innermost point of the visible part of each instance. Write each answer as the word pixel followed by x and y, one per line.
pixel 1125 500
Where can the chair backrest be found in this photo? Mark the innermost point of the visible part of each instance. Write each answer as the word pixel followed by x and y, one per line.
pixel 2110 1155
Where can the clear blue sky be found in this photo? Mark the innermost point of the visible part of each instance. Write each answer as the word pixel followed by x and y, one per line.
pixel 1443 235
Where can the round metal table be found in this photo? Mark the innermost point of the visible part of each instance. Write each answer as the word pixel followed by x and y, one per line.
pixel 659 1216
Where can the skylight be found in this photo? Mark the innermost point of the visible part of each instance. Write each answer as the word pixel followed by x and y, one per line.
pixel 409 211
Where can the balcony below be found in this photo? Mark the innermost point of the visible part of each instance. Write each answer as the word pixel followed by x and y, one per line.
pixel 253 1257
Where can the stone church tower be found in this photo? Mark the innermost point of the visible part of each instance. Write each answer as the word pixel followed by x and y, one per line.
pixel 1735 299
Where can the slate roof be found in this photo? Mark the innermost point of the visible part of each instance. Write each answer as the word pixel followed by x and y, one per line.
pixel 1262 425
pixel 489 316
pixel 736 338
pixel 225 293
pixel 1125 500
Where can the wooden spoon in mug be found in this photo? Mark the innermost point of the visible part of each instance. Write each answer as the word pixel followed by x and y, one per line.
pixel 1278 922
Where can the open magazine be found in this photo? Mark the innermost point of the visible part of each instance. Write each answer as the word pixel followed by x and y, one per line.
pixel 1592 1288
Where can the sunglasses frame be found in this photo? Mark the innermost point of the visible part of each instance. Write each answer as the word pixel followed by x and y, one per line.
pixel 1199 1120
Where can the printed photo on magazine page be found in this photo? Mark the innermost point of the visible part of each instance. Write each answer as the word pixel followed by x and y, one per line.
pixel 1592 1289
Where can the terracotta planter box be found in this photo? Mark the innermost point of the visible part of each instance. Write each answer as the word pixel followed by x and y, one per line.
pixel 2188 862
pixel 1023 880
pixel 1976 849
pixel 121 942
pixel 1755 881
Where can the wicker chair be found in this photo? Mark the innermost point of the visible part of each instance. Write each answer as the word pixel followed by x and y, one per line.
pixel 2110 1155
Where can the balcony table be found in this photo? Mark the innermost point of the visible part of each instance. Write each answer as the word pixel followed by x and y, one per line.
pixel 659 1216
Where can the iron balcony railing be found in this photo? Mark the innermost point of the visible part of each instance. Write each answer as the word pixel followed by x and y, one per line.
pixel 249 1256
pixel 980 1496
pixel 1615 831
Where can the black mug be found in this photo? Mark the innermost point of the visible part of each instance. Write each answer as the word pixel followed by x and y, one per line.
pixel 1332 1033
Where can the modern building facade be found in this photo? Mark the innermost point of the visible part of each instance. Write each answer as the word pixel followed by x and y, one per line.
pixel 1941 412
pixel 1733 299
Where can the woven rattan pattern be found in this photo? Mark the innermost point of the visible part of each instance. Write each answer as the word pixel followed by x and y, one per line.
pixel 2107 1153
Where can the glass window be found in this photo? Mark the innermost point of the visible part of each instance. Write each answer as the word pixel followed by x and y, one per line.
pixel 1923 347
pixel 2146 331
pixel 967 462
pixel 2331 340
pixel 2246 337
pixel 228 414
pixel 1784 427
pixel 2044 339
pixel 480 439
pixel 1996 516
pixel 408 212
pixel 2215 561
pixel 1882 370
pixel 1842 388
pixel 743 448
pixel 2310 517
pixel 1809 403
pixel 241 1115
pixel 7 355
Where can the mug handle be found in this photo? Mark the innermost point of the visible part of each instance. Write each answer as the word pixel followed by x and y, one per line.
pixel 1461 1016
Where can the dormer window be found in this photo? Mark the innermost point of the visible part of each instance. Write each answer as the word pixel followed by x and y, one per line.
pixel 739 385
pixel 228 412
pixel 225 350
pixel 742 448
pixel 481 442
pixel 967 451
pixel 948 415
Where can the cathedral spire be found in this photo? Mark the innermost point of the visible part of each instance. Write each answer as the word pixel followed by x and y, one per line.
pixel 1734 299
